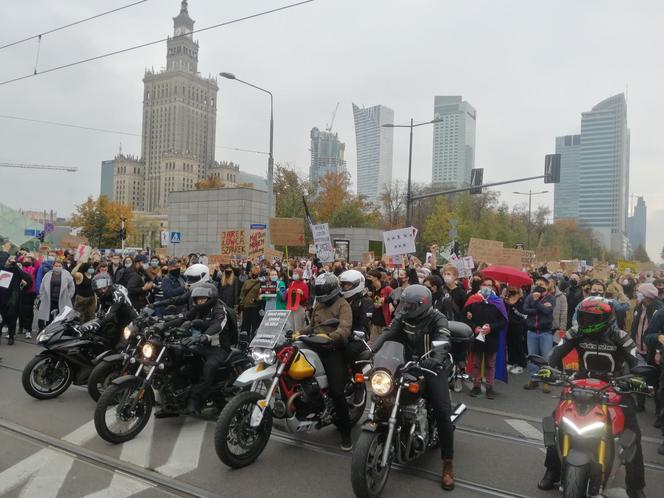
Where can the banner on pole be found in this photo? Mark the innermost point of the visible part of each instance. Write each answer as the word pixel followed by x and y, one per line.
pixel 400 241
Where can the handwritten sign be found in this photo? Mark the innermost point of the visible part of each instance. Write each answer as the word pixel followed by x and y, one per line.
pixel 271 330
pixel 368 257
pixel 83 253
pixel 324 248
pixel 5 278
pixel 287 231
pixel 493 252
pixel 232 242
pixel 219 259
pixel 256 243
pixel 400 241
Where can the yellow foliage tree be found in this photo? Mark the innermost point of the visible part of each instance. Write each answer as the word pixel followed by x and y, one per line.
pixel 99 220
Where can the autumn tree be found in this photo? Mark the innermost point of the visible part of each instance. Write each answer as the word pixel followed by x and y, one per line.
pixel 393 204
pixel 99 221
pixel 289 189
pixel 211 181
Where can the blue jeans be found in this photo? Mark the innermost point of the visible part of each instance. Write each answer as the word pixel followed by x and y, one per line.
pixel 540 343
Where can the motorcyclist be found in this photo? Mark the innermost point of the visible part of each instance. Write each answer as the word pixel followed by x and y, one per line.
pixel 602 347
pixel 217 334
pixel 114 310
pixel 417 325
pixel 194 276
pixel 330 304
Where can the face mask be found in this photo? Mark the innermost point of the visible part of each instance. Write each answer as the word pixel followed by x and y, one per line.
pixel 338 271
pixel 625 282
pixel 597 294
pixel 50 259
pixel 296 277
pixel 91 271
pixel 274 279
pixel 485 292
pixel 128 264
pixel 639 297
pixel 448 279
pixel 27 263
pixel 175 273
pixel 539 289
pixel 154 264
pixel 228 270
pixel 145 266
pixel 57 270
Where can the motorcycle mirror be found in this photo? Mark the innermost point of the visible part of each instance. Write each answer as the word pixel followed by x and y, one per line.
pixel 359 334
pixel 332 322
pixel 538 360
pixel 643 370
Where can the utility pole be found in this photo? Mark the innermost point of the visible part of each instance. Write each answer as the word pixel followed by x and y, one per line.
pixel 530 194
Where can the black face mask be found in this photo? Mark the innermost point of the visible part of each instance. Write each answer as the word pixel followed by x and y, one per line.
pixel 597 294
pixel 27 263
pixel 174 273
pixel 539 289
pixel 338 271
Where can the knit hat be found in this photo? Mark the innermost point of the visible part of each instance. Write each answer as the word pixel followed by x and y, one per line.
pixel 648 290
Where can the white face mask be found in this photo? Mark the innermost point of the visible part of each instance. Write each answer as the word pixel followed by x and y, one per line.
pixel 625 282
pixel 296 277
pixel 448 279
pixel 639 297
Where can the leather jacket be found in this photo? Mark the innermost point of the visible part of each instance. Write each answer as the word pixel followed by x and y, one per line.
pixel 362 308
pixel 418 336
pixel 604 352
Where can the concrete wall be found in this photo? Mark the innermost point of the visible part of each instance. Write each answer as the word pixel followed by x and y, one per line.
pixel 359 239
pixel 201 215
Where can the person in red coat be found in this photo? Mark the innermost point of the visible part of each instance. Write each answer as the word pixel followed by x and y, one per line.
pixel 297 297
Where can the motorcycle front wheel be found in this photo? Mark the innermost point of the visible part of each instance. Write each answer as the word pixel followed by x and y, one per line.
pixel 123 410
pixel 46 377
pixel 576 482
pixel 102 376
pixel 367 475
pixel 236 442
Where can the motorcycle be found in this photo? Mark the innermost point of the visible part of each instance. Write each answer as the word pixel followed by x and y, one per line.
pixel 170 369
pixel 588 427
pixel 69 357
pixel 288 384
pixel 400 426
pixel 115 365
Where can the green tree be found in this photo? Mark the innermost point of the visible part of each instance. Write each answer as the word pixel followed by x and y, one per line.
pixel 289 189
pixel 640 254
pixel 99 221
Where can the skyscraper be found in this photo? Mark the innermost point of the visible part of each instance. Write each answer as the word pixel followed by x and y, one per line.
pixel 374 149
pixel 179 118
pixel 327 155
pixel 453 141
pixel 566 193
pixel 604 171
pixel 636 225
pixel 106 187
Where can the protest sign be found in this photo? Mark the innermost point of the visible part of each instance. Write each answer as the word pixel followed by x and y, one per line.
pixel 271 329
pixel 271 254
pixel 5 278
pixel 368 257
pixel 312 248
pixel 601 270
pixel 232 242
pixel 342 249
pixel 256 242
pixel 400 241
pixel 218 259
pixel 287 231
pixel 493 252
pixel 82 254
pixel 623 265
pixel 72 241
pixel 324 248
pixel 646 266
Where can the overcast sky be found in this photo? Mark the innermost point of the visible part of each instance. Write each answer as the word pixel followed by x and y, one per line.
pixel 529 68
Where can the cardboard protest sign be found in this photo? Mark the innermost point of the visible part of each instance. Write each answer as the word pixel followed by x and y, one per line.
pixel 368 257
pixel 646 266
pixel 493 252
pixel 232 242
pixel 72 241
pixel 623 265
pixel 287 231
pixel 219 259
pixel 82 254
pixel 400 241
pixel 256 242
pixel 324 249
pixel 271 254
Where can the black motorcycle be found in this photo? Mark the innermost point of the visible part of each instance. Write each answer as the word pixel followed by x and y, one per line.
pixel 69 357
pixel 166 366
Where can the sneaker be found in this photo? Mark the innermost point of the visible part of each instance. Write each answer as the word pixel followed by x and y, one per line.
pixel 517 370
pixel 28 335
pixel 475 391
pixel 530 385
pixel 458 385
pixel 346 443
pixel 490 393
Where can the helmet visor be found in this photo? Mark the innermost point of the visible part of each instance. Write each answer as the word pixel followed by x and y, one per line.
pixel 192 279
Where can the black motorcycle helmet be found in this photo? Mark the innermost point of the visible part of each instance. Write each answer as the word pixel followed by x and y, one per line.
pixel 204 297
pixel 326 287
pixel 101 284
pixel 415 302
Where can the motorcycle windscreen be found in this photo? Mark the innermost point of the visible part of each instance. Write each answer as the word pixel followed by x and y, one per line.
pixel 390 357
pixel 58 323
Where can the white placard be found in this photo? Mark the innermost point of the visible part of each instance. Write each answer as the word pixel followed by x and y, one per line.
pixel 83 253
pixel 165 237
pixel 324 248
pixel 5 278
pixel 400 241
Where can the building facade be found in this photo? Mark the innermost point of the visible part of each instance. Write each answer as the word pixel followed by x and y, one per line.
pixel 107 175
pixel 636 225
pixel 129 181
pixel 453 141
pixel 604 172
pixel 566 193
pixel 374 149
pixel 327 155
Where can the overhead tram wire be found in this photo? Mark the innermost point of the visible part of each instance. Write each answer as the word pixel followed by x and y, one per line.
pixel 81 21
pixel 161 40
pixel 116 132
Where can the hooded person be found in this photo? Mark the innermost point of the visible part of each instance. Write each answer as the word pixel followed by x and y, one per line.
pixel 10 295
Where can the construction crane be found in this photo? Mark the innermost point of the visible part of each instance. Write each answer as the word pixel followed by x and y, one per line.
pixel 70 169
pixel 334 115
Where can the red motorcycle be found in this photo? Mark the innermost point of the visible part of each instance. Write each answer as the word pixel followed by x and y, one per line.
pixel 588 427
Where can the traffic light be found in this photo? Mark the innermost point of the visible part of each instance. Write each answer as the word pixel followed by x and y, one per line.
pixel 122 233
pixel 40 236
pixel 552 168
pixel 476 179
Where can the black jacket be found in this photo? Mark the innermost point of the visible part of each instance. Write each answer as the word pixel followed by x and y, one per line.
pixel 114 312
pixel 9 297
pixel 219 324
pixel 603 353
pixel 418 337
pixel 484 313
pixel 363 309
pixel 650 311
pixel 134 281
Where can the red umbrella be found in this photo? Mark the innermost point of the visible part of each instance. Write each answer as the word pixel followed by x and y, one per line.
pixel 508 275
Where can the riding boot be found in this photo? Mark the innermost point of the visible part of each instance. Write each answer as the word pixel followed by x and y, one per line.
pixel 551 477
pixel 636 493
pixel 447 481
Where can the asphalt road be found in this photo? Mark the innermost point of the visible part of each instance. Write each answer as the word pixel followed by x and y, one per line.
pixel 51 449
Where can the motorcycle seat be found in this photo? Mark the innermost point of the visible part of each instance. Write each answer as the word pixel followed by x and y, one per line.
pixel 315 340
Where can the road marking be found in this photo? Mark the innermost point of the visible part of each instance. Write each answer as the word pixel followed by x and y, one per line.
pixel 43 472
pixel 82 435
pixel 121 486
pixel 526 430
pixel 187 450
pixel 137 450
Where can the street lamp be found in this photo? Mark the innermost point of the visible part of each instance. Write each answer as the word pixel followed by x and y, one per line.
pixel 409 195
pixel 530 194
pixel 270 159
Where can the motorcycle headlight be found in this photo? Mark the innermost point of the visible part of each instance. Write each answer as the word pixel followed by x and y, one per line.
pixel 43 337
pixel 381 383
pixel 266 356
pixel 148 350
pixel 586 430
pixel 126 333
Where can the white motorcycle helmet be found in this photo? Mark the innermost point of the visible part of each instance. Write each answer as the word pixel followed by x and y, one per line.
pixel 196 275
pixel 352 283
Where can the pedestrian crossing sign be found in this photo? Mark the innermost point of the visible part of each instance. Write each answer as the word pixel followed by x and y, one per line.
pixel 176 237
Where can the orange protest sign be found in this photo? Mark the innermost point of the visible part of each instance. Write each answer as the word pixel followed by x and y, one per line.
pixel 232 242
pixel 287 231
pixel 256 242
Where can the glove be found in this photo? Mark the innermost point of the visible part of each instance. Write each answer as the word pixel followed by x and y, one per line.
pixel 638 384
pixel 90 327
pixel 431 364
pixel 198 340
pixel 544 373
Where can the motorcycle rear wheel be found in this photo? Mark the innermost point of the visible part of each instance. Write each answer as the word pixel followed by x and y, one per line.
pixel 39 387
pixel 113 412
pixel 233 430
pixel 367 475
pixel 576 482
pixel 101 377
